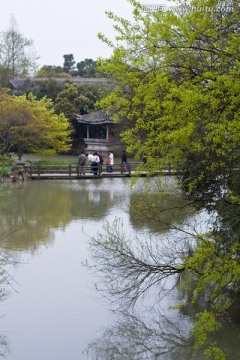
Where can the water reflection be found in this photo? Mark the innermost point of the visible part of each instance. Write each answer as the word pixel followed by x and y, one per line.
pixel 4 346
pixel 35 209
pixel 158 337
pixel 55 314
pixel 158 212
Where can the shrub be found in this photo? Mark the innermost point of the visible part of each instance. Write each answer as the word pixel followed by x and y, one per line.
pixel 5 170
pixel 6 163
pixel 49 162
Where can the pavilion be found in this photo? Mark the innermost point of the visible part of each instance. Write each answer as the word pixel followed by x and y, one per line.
pixel 97 131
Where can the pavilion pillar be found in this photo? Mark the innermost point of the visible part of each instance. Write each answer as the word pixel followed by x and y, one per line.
pixel 87 131
pixel 107 133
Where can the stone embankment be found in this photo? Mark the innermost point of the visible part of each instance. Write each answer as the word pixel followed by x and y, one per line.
pixel 19 173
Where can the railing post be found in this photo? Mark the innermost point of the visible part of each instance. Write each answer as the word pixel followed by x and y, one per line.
pixel 38 170
pixel 129 168
pixel 78 170
pixel 69 170
pixel 169 168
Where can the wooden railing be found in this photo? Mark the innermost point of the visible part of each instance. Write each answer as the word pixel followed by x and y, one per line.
pixel 72 170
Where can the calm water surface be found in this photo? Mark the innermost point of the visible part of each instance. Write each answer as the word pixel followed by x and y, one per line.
pixel 54 311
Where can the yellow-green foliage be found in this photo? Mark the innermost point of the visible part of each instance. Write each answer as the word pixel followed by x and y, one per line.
pixel 178 88
pixel 178 84
pixel 32 125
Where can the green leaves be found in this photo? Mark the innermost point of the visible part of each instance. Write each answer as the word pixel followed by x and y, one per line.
pixel 178 89
pixel 32 125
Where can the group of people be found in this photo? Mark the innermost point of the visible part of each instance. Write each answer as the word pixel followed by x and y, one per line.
pixel 95 161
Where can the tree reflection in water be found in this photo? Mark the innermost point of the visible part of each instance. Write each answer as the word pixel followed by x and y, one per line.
pixel 4 347
pixel 133 273
pixel 6 282
pixel 133 337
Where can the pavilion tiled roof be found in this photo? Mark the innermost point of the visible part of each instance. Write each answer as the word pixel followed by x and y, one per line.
pixel 95 118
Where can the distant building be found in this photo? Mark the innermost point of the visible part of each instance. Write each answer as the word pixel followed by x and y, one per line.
pixel 17 83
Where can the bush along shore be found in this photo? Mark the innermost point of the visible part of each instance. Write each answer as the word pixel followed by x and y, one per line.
pixel 10 171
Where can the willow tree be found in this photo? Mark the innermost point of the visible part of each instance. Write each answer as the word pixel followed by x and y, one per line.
pixel 177 73
pixel 28 124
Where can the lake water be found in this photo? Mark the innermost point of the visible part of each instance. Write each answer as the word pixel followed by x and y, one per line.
pixel 54 311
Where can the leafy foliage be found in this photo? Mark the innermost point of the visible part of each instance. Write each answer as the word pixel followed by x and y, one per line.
pixel 52 71
pixel 31 125
pixel 78 99
pixel 178 88
pixel 87 68
pixel 69 62
pixel 177 74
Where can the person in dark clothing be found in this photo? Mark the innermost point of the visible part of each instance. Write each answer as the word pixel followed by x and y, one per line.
pixel 95 163
pixel 124 157
pixel 100 162
pixel 124 161
pixel 82 162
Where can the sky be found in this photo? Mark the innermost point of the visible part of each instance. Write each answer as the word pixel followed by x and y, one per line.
pixel 59 27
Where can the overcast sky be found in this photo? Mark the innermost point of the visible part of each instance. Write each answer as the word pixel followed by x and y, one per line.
pixel 60 27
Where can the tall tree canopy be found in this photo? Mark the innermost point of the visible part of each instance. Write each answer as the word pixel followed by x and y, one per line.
pixel 178 86
pixel 69 63
pixel 87 68
pixel 27 124
pixel 17 54
pixel 79 99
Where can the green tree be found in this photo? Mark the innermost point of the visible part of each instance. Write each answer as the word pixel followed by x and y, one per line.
pixel 52 71
pixel 17 54
pixel 27 124
pixel 69 63
pixel 78 99
pixel 177 74
pixel 70 101
pixel 87 68
pixel 5 76
pixel 49 88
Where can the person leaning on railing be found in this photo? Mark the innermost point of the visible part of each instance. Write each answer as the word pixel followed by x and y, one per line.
pixel 100 162
pixel 95 163
pixel 124 161
pixel 82 159
pixel 110 161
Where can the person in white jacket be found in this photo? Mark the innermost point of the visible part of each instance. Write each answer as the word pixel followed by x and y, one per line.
pixel 89 156
pixel 110 161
